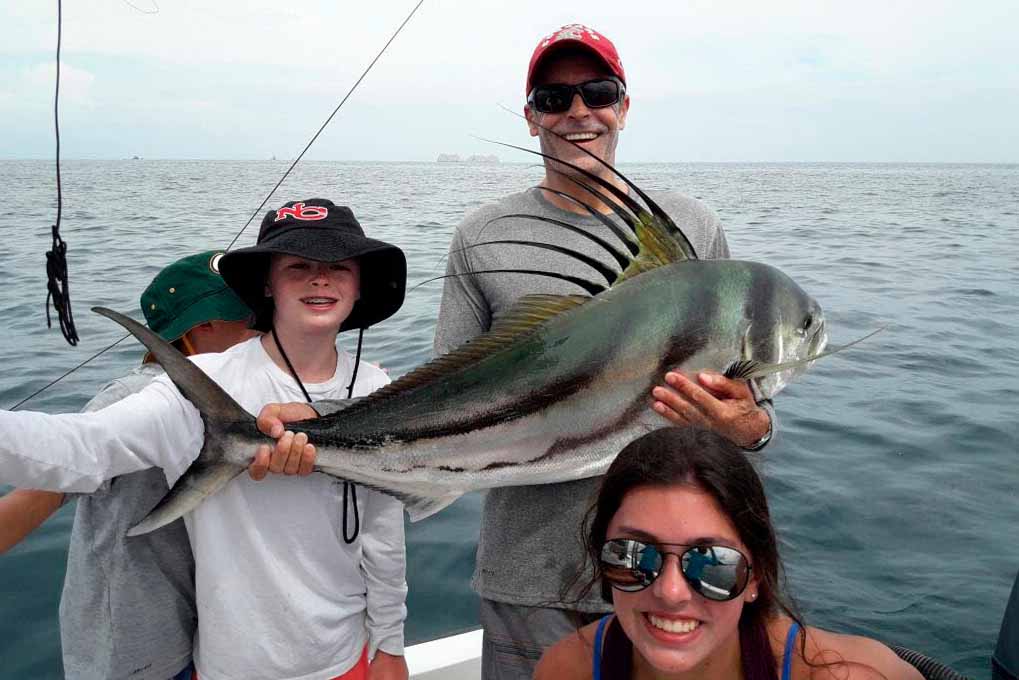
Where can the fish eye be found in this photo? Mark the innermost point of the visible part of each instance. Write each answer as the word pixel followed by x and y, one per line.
pixel 808 322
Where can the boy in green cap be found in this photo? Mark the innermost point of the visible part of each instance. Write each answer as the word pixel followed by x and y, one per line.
pixel 128 606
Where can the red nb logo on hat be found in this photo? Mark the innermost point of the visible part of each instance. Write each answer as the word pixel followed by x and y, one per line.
pixel 300 211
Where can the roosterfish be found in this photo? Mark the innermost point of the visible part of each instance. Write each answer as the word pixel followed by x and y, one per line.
pixel 552 391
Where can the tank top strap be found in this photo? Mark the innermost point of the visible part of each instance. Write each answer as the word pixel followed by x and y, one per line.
pixel 787 656
pixel 599 635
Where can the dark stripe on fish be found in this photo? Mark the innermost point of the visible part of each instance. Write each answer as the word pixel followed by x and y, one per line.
pixel 681 348
pixel 761 308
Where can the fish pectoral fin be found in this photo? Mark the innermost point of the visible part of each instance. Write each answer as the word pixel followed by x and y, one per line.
pixel 744 369
pixel 198 483
pixel 749 370
pixel 745 365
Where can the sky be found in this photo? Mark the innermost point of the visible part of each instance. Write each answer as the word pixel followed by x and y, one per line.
pixel 815 81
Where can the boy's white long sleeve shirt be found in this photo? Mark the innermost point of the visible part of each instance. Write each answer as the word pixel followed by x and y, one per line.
pixel 279 592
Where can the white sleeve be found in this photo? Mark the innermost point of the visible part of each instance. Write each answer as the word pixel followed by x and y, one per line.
pixel 156 427
pixel 384 566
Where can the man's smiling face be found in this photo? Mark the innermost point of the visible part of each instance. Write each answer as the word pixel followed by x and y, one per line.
pixel 596 130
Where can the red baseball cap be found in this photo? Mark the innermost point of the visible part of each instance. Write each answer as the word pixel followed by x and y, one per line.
pixel 576 35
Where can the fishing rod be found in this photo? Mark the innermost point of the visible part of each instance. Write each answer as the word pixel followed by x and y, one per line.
pixel 63 248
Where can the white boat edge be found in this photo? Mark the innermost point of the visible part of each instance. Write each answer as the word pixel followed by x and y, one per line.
pixel 456 657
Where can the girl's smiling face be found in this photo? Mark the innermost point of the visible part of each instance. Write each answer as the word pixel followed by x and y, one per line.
pixel 673 628
pixel 313 296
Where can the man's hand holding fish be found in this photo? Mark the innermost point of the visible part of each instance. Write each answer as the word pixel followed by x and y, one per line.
pixel 715 403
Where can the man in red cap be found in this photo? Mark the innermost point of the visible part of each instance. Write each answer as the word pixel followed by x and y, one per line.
pixel 529 547
pixel 529 551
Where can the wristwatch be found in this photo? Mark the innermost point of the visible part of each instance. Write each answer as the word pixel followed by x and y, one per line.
pixel 763 441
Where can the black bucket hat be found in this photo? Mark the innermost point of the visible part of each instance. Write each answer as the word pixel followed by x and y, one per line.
pixel 319 230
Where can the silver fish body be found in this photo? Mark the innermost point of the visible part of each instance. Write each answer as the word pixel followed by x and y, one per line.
pixel 550 402
pixel 559 403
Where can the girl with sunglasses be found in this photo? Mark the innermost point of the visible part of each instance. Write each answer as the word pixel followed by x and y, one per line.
pixel 682 543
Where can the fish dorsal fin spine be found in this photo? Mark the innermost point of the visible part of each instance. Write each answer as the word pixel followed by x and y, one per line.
pixel 657 248
pixel 661 241
pixel 526 316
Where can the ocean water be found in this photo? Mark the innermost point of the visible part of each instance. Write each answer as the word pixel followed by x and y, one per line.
pixel 895 472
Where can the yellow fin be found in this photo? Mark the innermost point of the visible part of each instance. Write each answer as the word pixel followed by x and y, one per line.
pixel 660 244
pixel 529 313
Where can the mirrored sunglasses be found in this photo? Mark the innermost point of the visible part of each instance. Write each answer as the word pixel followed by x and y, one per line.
pixel 717 572
pixel 558 97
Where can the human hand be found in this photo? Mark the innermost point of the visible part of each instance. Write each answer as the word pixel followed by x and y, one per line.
pixel 292 453
pixel 273 418
pixel 387 667
pixel 714 402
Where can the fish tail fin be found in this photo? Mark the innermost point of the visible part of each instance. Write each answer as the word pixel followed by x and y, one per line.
pixel 199 482
pixel 221 415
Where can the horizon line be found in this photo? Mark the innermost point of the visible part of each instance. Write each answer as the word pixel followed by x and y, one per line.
pixel 503 162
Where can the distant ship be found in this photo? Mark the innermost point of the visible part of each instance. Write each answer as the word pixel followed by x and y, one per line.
pixel 474 158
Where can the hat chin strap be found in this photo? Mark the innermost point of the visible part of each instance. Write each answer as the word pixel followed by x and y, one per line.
pixel 347 486
pixel 290 366
pixel 357 362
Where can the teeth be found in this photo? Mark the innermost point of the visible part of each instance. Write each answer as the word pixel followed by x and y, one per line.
pixel 673 626
pixel 317 301
pixel 580 136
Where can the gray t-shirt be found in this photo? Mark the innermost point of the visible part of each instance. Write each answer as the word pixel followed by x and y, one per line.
pixel 530 543
pixel 128 606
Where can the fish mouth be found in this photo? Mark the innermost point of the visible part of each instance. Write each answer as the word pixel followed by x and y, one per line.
pixel 818 340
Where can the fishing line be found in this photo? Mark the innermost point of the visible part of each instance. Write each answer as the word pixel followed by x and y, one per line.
pixel 65 301
pixel 57 284
pixel 51 384
pixel 327 121
pixel 154 10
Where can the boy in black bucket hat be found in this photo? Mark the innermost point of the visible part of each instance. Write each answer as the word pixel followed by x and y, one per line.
pixel 317 229
pixel 294 578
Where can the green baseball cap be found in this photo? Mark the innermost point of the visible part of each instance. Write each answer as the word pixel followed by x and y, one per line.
pixel 190 292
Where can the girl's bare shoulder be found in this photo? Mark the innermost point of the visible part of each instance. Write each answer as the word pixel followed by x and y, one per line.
pixel 830 656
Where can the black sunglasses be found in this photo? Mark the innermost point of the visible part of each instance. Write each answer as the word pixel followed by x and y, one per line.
pixel 558 97
pixel 717 572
